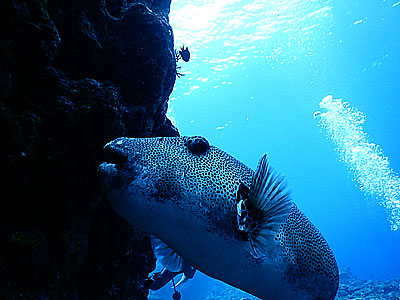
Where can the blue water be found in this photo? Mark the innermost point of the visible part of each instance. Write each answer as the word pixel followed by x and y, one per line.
pixel 259 70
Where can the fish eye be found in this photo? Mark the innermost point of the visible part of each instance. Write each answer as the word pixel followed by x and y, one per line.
pixel 197 145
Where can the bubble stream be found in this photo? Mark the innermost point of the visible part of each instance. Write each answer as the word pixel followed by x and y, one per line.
pixel 364 159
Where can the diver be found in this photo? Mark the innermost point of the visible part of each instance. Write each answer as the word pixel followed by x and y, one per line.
pixel 159 279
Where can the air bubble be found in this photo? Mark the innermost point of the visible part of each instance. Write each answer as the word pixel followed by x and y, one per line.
pixel 317 114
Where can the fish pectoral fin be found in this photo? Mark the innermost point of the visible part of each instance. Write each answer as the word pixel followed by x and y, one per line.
pixel 267 206
pixel 166 256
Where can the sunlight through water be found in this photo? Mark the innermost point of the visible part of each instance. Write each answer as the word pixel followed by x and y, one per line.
pixel 344 126
pixel 240 24
pixel 224 35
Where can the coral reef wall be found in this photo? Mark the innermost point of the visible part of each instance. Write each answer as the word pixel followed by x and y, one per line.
pixel 75 74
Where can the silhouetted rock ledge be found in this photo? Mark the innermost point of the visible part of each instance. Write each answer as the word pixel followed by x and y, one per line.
pixel 75 74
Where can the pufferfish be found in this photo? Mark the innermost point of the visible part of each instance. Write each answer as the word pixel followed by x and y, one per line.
pixel 232 223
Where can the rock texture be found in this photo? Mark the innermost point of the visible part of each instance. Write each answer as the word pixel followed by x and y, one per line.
pixel 75 74
pixel 352 287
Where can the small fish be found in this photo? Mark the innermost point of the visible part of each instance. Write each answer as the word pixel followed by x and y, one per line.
pixel 184 53
pixel 219 216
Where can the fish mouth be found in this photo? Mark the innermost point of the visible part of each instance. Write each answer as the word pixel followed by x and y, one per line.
pixel 114 155
pixel 115 159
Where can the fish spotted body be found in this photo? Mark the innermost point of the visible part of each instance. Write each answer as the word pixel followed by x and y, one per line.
pixel 188 194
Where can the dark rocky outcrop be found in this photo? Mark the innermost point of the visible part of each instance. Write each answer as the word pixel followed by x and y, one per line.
pixel 75 74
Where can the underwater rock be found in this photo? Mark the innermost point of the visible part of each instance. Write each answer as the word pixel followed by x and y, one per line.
pixel 74 75
pixel 352 287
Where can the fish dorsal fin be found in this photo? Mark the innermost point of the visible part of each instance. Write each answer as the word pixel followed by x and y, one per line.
pixel 267 206
pixel 166 256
